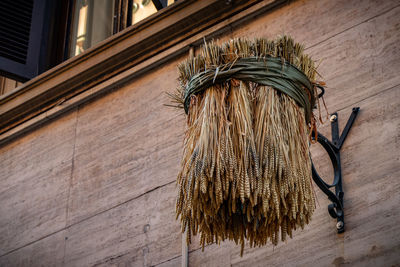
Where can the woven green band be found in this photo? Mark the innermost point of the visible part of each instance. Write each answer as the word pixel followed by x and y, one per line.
pixel 270 71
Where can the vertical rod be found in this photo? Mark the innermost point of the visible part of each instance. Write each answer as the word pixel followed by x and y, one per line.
pixel 339 185
pixel 185 249
pixel 335 129
pixel 336 140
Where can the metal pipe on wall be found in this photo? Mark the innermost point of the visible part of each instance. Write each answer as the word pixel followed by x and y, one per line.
pixel 185 249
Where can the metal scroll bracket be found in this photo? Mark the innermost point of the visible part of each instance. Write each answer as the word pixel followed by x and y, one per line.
pixel 333 148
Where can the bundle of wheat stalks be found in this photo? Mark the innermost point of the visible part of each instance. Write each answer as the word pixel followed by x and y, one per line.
pixel 246 168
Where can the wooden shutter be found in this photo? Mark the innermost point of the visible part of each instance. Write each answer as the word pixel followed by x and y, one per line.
pixel 22 24
pixel 160 4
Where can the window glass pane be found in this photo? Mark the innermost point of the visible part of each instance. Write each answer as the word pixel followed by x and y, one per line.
pixel 142 9
pixel 92 23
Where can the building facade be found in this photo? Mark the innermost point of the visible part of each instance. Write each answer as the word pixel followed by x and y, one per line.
pixel 89 152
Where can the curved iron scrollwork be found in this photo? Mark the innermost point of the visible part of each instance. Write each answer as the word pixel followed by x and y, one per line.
pixel 333 148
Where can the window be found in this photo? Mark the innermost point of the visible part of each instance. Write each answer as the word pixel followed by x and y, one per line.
pixel 95 20
pixel 36 35
pixel 92 23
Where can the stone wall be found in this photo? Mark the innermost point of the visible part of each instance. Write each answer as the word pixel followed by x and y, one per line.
pixel 96 187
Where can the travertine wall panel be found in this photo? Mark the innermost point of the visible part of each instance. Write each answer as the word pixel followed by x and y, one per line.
pixel 48 251
pixel 34 183
pixel 362 61
pixel 141 232
pixel 313 22
pixel 127 144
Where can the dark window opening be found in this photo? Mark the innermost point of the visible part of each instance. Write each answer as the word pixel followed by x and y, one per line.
pixel 36 35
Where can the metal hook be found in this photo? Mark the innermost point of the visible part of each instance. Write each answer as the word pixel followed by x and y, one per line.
pixel 322 90
pixel 333 148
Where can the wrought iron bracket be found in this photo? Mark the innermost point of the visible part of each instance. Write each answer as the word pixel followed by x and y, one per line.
pixel 333 148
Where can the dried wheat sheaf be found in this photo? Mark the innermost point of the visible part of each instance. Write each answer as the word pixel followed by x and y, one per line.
pixel 246 168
